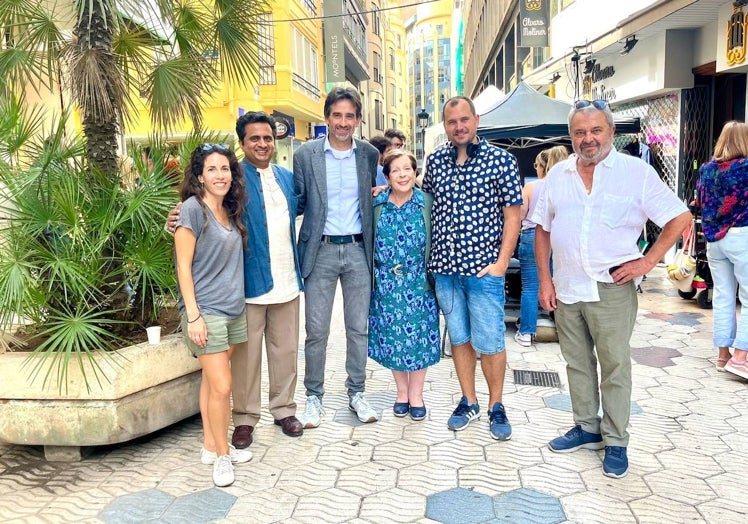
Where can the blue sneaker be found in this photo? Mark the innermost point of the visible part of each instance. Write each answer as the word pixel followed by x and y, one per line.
pixel 615 463
pixel 499 424
pixel 463 415
pixel 576 438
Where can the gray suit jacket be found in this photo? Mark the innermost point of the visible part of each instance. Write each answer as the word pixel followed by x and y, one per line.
pixel 310 179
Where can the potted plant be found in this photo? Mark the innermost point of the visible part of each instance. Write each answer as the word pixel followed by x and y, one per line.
pixel 84 265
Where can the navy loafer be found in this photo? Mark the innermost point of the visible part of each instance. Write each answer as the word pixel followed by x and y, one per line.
pixel 418 412
pixel 400 409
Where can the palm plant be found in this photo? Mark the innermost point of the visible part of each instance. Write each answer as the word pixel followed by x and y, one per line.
pixel 83 257
pixel 170 52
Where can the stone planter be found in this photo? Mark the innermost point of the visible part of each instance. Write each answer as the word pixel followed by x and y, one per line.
pixel 148 387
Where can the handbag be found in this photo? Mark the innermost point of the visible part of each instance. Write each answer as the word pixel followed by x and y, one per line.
pixel 683 268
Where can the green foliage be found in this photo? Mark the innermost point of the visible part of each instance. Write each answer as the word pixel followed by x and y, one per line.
pixel 173 53
pixel 83 256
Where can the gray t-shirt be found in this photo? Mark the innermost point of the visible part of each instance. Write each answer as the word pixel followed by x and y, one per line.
pixel 217 265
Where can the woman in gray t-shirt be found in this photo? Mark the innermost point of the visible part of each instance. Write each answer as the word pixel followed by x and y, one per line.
pixel 209 240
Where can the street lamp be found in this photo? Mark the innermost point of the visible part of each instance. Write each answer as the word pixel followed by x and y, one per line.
pixel 423 123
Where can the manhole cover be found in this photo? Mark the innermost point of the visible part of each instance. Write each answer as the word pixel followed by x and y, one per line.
pixel 537 378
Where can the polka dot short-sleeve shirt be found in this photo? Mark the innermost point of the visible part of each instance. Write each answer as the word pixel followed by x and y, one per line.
pixel 467 218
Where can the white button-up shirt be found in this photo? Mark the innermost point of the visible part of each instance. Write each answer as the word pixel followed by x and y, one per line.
pixel 590 233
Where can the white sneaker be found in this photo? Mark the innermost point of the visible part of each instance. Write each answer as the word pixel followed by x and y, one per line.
pixel 312 416
pixel 238 456
pixel 361 407
pixel 523 339
pixel 223 471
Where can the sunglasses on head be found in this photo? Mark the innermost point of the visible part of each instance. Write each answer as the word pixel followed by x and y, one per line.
pixel 214 147
pixel 597 104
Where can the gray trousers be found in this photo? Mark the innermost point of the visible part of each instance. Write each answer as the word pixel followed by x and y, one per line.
pixel 346 262
pixel 600 331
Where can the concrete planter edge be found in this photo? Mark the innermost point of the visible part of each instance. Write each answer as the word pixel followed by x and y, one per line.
pixel 146 388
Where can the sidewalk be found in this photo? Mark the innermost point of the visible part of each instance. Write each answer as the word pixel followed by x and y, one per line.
pixel 689 436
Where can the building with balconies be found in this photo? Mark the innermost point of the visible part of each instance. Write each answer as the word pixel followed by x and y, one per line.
pixel 290 85
pixel 385 94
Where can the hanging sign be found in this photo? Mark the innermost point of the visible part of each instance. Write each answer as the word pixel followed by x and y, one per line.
pixel 533 15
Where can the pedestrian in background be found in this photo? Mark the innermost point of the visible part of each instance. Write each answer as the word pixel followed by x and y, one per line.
pixel 209 242
pixel 383 145
pixel 403 317
pixel 722 194
pixel 397 138
pixel 528 310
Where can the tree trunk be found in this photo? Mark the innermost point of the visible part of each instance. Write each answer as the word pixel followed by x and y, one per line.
pixel 100 98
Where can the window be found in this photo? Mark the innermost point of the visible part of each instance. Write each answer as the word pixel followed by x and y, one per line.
pixel 392 59
pixel 376 61
pixel 443 74
pixel 439 29
pixel 393 123
pixel 375 28
pixel 305 65
pixel 310 7
pixel 393 94
pixel 378 115
pixel 266 49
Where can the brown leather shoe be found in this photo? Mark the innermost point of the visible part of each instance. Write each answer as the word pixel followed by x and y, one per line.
pixel 291 426
pixel 242 436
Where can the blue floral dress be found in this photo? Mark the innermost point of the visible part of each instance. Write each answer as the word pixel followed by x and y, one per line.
pixel 403 316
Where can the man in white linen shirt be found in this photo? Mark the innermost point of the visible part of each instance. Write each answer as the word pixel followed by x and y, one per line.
pixel 591 210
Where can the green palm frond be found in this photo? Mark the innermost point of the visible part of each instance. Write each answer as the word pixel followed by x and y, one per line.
pixel 175 88
pixel 72 334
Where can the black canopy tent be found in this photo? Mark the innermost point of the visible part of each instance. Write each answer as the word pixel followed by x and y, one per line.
pixel 527 118
pixel 525 122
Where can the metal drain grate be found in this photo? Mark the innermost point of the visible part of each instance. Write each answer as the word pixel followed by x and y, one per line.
pixel 547 379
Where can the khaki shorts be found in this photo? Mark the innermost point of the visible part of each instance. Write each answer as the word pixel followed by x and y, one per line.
pixel 222 332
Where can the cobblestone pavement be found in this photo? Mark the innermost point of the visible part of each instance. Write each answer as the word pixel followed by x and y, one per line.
pixel 689 433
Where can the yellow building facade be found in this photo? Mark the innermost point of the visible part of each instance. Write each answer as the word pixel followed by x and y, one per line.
pixel 290 85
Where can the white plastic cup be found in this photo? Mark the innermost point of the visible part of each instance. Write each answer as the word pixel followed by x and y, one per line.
pixel 154 334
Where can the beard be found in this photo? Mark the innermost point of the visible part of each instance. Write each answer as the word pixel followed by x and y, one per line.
pixel 594 158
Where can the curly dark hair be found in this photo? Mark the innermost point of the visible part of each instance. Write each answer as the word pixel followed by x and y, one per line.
pixel 235 200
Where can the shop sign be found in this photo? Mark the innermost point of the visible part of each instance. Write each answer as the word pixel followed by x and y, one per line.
pixel 333 42
pixel 282 128
pixel 736 35
pixel 599 92
pixel 534 23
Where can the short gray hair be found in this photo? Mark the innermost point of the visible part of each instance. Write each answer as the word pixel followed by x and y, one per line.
pixel 590 107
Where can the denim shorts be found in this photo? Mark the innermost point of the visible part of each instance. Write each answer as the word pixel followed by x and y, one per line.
pixel 222 332
pixel 474 310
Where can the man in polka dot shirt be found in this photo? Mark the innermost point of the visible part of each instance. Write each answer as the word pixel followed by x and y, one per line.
pixel 476 222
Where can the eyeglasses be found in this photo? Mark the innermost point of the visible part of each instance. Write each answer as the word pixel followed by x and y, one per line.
pixel 214 147
pixel 597 104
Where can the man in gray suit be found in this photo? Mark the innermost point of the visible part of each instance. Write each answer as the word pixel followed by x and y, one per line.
pixel 333 177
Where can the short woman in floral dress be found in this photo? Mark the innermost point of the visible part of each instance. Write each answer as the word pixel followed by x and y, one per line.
pixel 722 193
pixel 403 317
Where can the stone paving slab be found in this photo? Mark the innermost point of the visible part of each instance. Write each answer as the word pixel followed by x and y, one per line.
pixel 689 433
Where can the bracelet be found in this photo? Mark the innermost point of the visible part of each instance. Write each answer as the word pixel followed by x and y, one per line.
pixel 198 317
